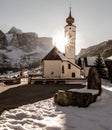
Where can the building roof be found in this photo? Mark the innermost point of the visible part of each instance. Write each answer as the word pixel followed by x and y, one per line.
pixel 54 54
pixel 90 61
pixel 74 64
pixel 109 58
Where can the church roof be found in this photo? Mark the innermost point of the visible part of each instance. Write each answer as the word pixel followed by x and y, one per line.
pixel 54 54
pixel 75 65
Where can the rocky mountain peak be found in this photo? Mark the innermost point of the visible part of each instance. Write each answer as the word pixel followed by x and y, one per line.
pixel 1 34
pixel 18 49
pixel 14 30
pixel 3 41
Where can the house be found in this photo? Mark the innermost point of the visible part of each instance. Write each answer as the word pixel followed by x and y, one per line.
pixel 108 63
pixel 86 63
pixel 59 65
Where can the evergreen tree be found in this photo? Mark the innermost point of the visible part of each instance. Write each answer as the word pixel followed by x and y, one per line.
pixel 80 63
pixel 100 64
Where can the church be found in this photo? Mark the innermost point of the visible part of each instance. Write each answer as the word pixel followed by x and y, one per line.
pixel 59 65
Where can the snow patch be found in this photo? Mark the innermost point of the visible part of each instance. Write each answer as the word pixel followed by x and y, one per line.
pixel 107 85
pixel 46 115
pixel 9 37
pixel 109 58
pixel 85 90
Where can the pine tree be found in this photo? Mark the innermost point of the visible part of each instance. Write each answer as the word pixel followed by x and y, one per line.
pixel 100 64
pixel 80 63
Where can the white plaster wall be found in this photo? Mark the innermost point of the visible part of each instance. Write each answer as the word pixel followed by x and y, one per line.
pixel 86 70
pixel 70 34
pixel 68 72
pixel 52 68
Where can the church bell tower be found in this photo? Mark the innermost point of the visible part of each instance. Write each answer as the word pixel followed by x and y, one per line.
pixel 70 34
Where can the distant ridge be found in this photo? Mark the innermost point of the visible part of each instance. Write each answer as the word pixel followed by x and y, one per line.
pixel 104 48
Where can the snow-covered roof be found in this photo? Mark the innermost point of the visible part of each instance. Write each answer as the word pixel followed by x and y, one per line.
pixel 62 56
pixel 90 61
pixel 85 90
pixel 109 58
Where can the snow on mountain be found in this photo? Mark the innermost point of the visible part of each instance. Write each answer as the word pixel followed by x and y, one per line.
pixel 20 49
pixel 46 115
pixel 15 55
pixel 9 37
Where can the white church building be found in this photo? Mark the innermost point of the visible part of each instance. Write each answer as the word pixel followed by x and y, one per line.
pixel 59 65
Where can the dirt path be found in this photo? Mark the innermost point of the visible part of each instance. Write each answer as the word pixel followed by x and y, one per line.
pixel 27 94
pixel 4 87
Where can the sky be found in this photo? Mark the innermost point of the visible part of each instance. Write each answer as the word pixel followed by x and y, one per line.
pixel 47 18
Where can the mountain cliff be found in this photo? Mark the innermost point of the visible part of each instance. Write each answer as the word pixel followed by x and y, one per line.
pixel 104 48
pixel 3 40
pixel 19 49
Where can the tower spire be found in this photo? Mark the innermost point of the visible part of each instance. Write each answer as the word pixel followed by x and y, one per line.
pixel 70 12
pixel 70 19
pixel 70 34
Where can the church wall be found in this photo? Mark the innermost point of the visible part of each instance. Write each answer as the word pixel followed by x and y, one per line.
pixel 52 68
pixel 68 71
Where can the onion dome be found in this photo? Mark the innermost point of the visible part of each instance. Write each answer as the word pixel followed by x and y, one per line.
pixel 70 19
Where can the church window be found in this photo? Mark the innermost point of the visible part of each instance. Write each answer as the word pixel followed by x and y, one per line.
pixel 63 69
pixel 73 74
pixel 69 66
pixel 52 73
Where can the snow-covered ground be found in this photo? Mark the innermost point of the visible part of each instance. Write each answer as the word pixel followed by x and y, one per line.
pixel 46 115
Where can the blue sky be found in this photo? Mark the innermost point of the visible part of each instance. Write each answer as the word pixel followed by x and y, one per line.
pixel 93 18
